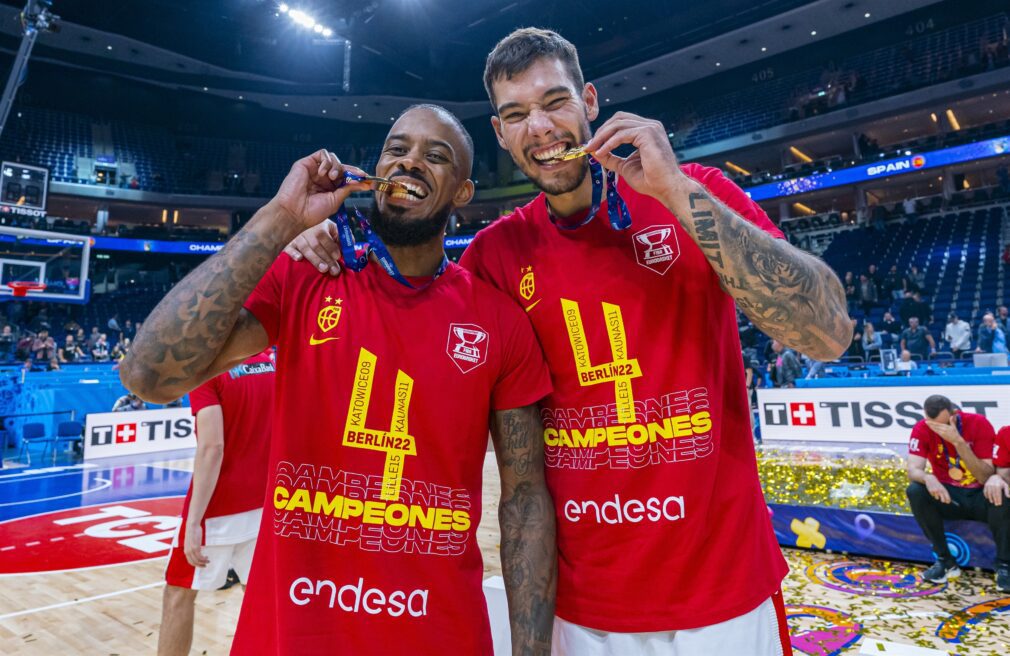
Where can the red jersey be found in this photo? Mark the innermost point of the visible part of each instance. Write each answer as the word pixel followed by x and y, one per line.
pixel 368 543
pixel 246 397
pixel 662 524
pixel 1001 448
pixel 975 429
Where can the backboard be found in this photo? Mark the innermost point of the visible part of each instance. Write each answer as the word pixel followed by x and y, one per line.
pixel 59 260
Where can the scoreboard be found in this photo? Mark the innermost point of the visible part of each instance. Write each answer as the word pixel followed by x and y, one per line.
pixel 23 189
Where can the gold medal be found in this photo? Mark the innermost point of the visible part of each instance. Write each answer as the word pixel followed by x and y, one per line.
pixel 955 473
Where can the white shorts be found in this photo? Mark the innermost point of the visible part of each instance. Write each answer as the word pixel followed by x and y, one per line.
pixel 761 632
pixel 229 543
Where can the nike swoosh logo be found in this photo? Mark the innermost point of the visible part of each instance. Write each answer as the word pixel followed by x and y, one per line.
pixel 533 305
pixel 316 342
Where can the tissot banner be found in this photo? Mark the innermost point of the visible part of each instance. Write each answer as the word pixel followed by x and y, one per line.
pixel 109 434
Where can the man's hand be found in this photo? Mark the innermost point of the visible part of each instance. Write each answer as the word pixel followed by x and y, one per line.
pixel 315 188
pixel 193 546
pixel 652 169
pixel 995 489
pixel 947 431
pixel 936 489
pixel 319 246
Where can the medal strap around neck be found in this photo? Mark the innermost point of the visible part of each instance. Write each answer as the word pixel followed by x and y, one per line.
pixel 617 210
pixel 356 262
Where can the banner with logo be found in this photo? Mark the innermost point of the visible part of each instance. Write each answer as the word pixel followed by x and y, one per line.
pixel 109 434
pixel 867 414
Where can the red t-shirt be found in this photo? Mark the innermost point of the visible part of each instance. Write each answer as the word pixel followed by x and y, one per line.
pixel 246 397
pixel 662 524
pixel 368 543
pixel 1001 448
pixel 975 429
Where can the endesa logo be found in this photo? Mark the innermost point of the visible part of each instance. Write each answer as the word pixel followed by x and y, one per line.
pixel 897 166
pixel 632 511
pixel 354 598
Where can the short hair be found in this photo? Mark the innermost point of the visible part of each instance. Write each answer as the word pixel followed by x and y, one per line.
pixel 936 404
pixel 524 46
pixel 458 124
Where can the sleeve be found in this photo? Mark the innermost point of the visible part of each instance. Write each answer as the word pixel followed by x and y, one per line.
pixel 983 438
pixel 918 442
pixel 523 377
pixel 479 260
pixel 1001 448
pixel 732 196
pixel 265 300
pixel 206 395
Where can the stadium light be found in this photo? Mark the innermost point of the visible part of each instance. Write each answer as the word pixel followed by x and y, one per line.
pixel 283 8
pixel 803 208
pixel 327 32
pixel 953 120
pixel 303 19
pixel 800 155
pixel 736 168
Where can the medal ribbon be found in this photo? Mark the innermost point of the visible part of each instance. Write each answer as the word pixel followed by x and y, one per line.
pixel 617 210
pixel 355 261
pixel 957 456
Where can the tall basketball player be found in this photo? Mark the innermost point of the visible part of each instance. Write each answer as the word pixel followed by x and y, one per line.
pixel 388 377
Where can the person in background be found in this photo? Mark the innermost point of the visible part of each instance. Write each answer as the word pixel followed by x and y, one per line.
pixel 957 334
pixel 891 326
pixel 991 338
pixel 93 338
pixel 867 292
pixel 28 365
pixel 891 285
pixel 914 306
pixel 851 291
pixel 70 351
pixel 917 339
pixel 915 280
pixel 7 342
pixel 855 349
pixel 100 353
pixel 908 205
pixel 44 347
pixel 958 446
pixel 785 368
pixel 53 365
pixel 871 340
pixel 906 363
pixel 1003 318
pixel 128 403
pixel 129 332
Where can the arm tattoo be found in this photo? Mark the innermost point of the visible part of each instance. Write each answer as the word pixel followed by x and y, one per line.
pixel 190 326
pixel 790 295
pixel 526 515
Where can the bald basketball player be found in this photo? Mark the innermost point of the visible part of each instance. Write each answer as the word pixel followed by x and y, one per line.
pixel 665 544
pixel 388 377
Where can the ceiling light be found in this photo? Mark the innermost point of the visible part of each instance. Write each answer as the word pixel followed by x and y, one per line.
pixel 866 15
pixel 324 111
pixel 108 47
pixel 359 115
pixel 763 49
pixel 645 88
pixel 953 120
pixel 317 28
pixel 241 97
pixel 813 32
pixel 283 8
pixel 327 32
pixel 718 63
pixel 205 88
pixel 285 104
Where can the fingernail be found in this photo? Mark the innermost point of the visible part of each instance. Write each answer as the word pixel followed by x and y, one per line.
pixel 297 256
pixel 333 175
pixel 322 267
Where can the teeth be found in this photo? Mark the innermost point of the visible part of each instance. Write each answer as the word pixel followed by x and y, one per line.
pixel 553 153
pixel 414 189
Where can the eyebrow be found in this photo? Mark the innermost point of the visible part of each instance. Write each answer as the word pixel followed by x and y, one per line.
pixel 551 91
pixel 428 141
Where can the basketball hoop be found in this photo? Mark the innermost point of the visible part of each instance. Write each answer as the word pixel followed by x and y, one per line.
pixel 20 288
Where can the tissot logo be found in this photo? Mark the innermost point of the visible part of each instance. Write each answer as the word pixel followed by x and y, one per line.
pixel 150 431
pixel 857 414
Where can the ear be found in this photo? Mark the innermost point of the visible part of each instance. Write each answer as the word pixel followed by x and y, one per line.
pixel 496 124
pixel 592 100
pixel 464 194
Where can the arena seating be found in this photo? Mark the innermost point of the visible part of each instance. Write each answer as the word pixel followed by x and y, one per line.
pixel 921 61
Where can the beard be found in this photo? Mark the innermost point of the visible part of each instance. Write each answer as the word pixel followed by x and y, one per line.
pixel 395 230
pixel 567 182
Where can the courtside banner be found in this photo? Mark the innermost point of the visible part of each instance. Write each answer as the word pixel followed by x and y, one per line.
pixel 867 414
pixel 110 434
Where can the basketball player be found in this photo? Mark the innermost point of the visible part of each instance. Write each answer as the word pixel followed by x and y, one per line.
pixel 388 378
pixel 664 537
pixel 224 503
pixel 958 446
pixel 997 492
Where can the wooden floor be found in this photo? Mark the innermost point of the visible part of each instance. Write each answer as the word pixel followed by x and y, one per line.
pixel 116 610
